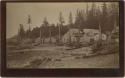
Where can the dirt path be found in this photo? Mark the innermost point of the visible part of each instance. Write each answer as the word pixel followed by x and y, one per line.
pixel 59 58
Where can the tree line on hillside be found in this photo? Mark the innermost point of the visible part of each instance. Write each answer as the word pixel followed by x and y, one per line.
pixel 105 15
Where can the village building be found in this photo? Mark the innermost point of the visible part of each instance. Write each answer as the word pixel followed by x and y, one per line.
pixel 85 35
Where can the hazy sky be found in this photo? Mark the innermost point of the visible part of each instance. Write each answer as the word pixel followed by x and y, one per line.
pixel 17 13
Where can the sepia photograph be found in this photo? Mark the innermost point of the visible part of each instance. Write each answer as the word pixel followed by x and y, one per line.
pixel 56 35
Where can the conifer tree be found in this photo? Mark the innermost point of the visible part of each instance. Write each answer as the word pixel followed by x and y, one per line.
pixel 21 32
pixel 104 18
pixel 70 20
pixel 61 22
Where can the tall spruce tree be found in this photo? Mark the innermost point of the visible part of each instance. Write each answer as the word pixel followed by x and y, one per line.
pixel 21 32
pixel 104 18
pixel 91 17
pixel 79 20
pixel 114 14
pixel 61 22
pixel 29 23
pixel 70 26
pixel 70 20
pixel 44 29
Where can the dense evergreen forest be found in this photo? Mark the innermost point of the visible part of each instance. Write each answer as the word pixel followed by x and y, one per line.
pixel 105 15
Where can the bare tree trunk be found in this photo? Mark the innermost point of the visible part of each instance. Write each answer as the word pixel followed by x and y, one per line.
pixel 50 35
pixel 40 37
pixel 59 34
